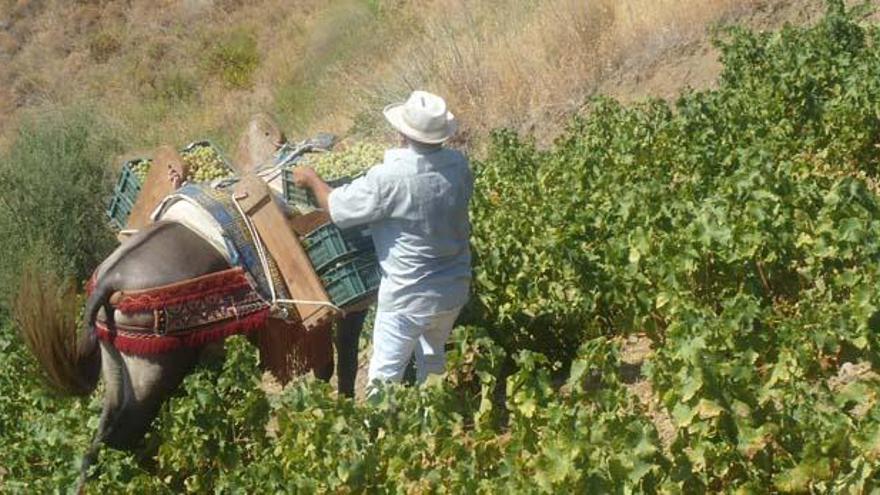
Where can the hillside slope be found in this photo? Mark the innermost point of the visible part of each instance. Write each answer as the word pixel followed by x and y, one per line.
pixel 170 71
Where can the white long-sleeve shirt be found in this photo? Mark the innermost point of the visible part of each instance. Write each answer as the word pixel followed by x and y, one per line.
pixel 416 203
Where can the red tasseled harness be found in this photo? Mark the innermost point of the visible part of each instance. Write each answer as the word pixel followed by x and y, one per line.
pixel 185 314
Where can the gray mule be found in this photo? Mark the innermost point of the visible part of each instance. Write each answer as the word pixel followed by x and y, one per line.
pixel 137 386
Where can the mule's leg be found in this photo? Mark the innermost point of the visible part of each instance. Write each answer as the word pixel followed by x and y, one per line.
pixel 325 373
pixel 149 380
pixel 114 396
pixel 136 387
pixel 348 335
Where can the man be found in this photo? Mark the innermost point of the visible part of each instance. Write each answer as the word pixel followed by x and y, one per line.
pixel 416 203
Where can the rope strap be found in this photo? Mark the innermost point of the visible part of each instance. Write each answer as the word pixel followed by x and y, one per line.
pixel 264 262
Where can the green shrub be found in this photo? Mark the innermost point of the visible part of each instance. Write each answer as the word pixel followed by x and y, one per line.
pixel 54 185
pixel 233 57
pixel 43 435
pixel 176 86
pixel 219 415
pixel 296 102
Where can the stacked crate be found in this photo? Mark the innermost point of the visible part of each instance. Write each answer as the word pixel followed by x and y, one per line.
pixel 129 185
pixel 125 194
pixel 344 259
pixel 303 199
pixel 346 262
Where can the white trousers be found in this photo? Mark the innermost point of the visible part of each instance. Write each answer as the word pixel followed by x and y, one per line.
pixel 396 336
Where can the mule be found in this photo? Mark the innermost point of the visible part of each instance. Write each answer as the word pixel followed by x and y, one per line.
pixel 137 386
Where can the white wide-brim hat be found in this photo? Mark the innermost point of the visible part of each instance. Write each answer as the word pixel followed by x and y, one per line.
pixel 423 118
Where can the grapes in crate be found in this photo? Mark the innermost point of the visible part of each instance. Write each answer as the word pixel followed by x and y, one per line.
pixel 205 164
pixel 349 162
pixel 141 169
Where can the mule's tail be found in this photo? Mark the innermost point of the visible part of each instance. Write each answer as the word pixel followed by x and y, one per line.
pixel 47 312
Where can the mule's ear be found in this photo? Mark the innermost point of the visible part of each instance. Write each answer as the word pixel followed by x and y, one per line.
pixel 258 143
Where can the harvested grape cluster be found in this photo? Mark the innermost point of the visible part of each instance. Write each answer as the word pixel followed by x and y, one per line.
pixel 205 164
pixel 352 161
pixel 140 169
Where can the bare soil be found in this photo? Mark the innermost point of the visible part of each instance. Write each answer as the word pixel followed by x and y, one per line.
pixel 635 350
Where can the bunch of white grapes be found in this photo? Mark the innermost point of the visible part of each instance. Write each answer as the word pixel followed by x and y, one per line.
pixel 140 169
pixel 349 162
pixel 205 164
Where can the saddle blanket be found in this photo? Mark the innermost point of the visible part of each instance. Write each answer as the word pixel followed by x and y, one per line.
pixel 209 211
pixel 208 309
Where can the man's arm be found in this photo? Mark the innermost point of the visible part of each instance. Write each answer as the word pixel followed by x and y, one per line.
pixel 306 177
pixel 363 201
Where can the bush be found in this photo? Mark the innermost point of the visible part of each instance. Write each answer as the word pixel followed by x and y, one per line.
pixel 234 57
pixel 54 187
pixel 176 87
pixel 43 435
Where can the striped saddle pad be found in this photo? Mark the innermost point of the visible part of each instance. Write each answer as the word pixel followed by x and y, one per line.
pixel 226 223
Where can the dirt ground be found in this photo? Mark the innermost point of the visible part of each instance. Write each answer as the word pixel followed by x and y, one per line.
pixel 636 349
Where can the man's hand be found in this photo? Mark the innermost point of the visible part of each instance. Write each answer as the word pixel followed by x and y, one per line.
pixel 175 178
pixel 305 177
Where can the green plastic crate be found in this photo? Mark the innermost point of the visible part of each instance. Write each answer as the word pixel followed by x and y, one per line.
pixel 295 196
pixel 298 197
pixel 125 194
pixel 119 211
pixel 349 281
pixel 329 243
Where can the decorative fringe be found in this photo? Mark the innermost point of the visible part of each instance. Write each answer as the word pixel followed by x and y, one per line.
pixel 147 344
pixel 225 282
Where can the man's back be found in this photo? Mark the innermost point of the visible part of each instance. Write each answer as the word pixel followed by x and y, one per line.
pixel 416 203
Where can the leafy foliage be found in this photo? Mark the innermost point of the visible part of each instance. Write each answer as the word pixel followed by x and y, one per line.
pixel 762 187
pixel 43 435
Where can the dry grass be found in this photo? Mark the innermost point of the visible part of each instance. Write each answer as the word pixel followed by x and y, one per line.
pixel 546 59
pixel 331 66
